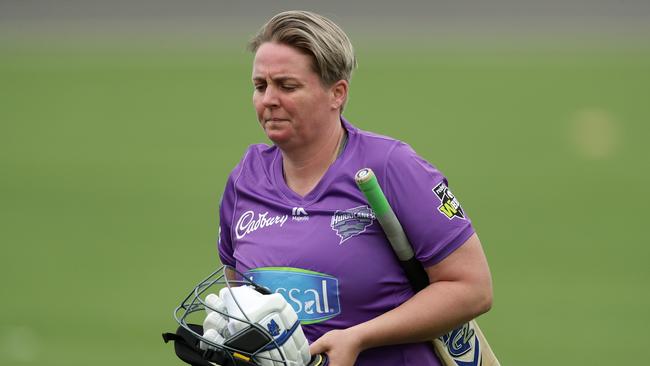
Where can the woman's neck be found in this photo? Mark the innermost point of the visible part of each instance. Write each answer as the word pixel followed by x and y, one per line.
pixel 304 168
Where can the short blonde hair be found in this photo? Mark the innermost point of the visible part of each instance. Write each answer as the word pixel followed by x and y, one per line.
pixel 314 35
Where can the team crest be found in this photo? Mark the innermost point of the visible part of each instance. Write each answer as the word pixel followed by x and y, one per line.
pixel 450 207
pixel 352 222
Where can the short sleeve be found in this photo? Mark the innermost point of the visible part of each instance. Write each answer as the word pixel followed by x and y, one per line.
pixel 432 217
pixel 226 208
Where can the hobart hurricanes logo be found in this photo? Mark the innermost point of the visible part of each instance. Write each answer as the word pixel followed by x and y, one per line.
pixel 351 222
pixel 314 296
pixel 450 207
pixel 248 223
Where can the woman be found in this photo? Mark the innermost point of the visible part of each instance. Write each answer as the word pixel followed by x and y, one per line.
pixel 293 219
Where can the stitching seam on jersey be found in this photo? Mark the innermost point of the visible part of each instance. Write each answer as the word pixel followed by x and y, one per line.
pixel 385 169
pixel 274 177
pixel 234 205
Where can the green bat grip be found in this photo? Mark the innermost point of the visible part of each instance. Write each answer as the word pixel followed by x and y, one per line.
pixel 367 182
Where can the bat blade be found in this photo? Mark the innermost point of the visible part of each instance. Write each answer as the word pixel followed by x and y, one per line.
pixel 465 346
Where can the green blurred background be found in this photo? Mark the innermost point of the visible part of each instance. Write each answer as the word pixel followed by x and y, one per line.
pixel 119 122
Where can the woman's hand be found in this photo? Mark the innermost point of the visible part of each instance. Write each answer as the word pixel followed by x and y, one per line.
pixel 342 347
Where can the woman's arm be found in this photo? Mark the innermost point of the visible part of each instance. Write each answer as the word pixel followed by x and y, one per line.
pixel 460 289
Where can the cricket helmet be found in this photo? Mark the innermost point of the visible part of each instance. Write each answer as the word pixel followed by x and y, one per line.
pixel 245 325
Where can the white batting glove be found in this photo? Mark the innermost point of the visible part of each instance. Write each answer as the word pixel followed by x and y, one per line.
pixel 273 313
pixel 215 325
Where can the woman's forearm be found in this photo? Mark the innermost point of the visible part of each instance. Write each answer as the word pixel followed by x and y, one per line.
pixel 460 290
pixel 435 310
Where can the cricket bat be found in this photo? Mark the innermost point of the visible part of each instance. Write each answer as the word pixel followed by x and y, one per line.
pixel 463 346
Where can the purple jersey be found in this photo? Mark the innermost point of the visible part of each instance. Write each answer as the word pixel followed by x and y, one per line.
pixel 326 252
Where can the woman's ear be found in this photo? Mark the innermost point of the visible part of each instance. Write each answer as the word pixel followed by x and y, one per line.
pixel 339 94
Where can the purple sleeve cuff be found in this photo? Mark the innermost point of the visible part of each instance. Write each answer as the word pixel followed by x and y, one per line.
pixel 454 243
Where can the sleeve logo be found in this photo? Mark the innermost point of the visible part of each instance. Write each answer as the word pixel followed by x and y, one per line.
pixel 450 207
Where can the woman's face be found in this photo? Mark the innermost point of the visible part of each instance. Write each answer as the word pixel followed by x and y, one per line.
pixel 292 105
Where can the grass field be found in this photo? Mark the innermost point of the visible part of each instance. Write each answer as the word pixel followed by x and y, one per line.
pixel 113 160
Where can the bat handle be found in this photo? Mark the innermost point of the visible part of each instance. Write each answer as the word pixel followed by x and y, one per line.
pixel 415 273
pixel 367 182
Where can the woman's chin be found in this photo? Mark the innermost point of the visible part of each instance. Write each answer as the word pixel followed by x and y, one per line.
pixel 278 133
pixel 278 137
